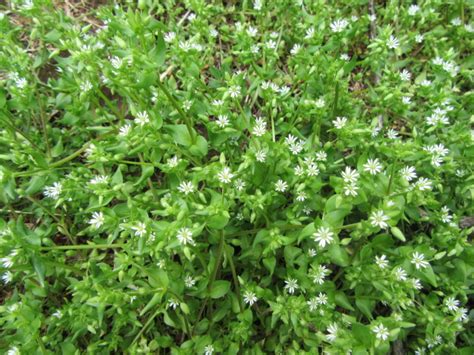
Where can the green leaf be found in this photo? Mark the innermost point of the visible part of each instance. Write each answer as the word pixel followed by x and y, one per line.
pixel 270 264
pixel 219 289
pixel 366 306
pixel 341 300
pixel 158 53
pixel 397 233
pixel 338 255
pixel 219 221
pixel 180 134
pixel 147 171
pixel 199 148
pixel 39 268
pixel 35 185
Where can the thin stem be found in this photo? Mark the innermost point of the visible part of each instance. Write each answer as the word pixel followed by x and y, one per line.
pixel 70 157
pixel 12 126
pixel 186 119
pixel 84 246
pixel 234 275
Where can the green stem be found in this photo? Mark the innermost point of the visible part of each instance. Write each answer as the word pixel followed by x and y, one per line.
pixel 186 119
pixel 12 126
pixel 84 246
pixel 70 157
pixel 234 275
pixel 111 106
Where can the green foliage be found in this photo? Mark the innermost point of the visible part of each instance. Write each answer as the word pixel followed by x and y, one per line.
pixel 198 177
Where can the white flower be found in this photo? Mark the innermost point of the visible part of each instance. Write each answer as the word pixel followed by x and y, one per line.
pixel 423 184
pixel 186 187
pixel 426 83
pixel 281 186
pixel 339 122
pixel 99 179
pixel 451 303
pixel 169 37
pixel 408 173
pixel 301 196
pixel 172 303
pixel 222 121
pixel 140 229
pixel 381 332
pixel 400 274
pixel 252 31
pixel 373 166
pixel 187 105
pixel 461 314
pixel 116 62
pixel 213 32
pixel 416 284
pixel 257 5
pixel 392 133
pixel 125 130
pixel 379 219
pixel 456 21
pixel 381 261
pixel 309 33
pixel 250 298
pixel 58 314
pixel 271 44
pixel 261 155
pixel 13 350
pixel 350 175
pixel 185 236
pixel 239 184
pixel 321 156
pixel 312 304
pixel 339 25
pixel 209 350
pixel 86 86
pixel 217 102
pixel 393 42
pixel 445 216
pixel 142 118
pixel 413 9
pixel 172 162
pixel 7 261
pixel 418 259
pixel 372 17
pixel 323 236
pixel 291 285
pixel 405 75
pixel 260 127
pixel 189 281
pixel 7 277
pixel 296 49
pixel 312 252
pixel 345 57
pixel 299 170
pixel 350 189
pixel 97 220
pixel 225 175
pixel 53 191
pixel 234 91
pixel 419 38
pixel 322 299
pixel 332 332
pixel 406 100
pixel 320 274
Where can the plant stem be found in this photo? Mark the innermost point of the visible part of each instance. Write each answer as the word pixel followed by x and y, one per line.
pixel 234 275
pixel 186 119
pixel 84 246
pixel 70 157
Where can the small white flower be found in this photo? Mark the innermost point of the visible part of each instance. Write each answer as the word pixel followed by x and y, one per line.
pixel 408 173
pixel 373 166
pixel 350 189
pixel 320 274
pixel 418 259
pixel 260 127
pixel 413 9
pixel 350 175
pixel 423 184
pixel 339 25
pixel 213 32
pixel 53 191
pixel 239 184
pixel 189 281
pixel 339 122
pixel 461 314
pixel 419 38
pixel 296 49
pixel 323 236
pixel 234 91
pixel 7 277
pixel 186 187
pixel 416 284
pixel 321 156
pixel 345 57
pixel 58 314
pixel 309 33
pixel 86 86
pixel 381 261
pixel 322 299
pixel 140 229
pixel 301 196
pixel 393 42
pixel 379 219
pixel 97 220
pixel 250 298
pixel 392 133
pixel 173 162
pixel 14 350
pixel 257 5
pixel 99 179
pixel 281 186
pixel 445 216
pixel 452 304
pixel 142 118
pixel 172 303
pixel 456 21
pixel 406 100
pixel 225 175
pixel 209 350
pixel 312 304
pixel 116 62
pixel 332 332
pixel 125 130
pixel 185 236
pixel 405 75
pixel 381 332
pixel 169 37
pixel 400 274
pixel 187 105
pixel 312 252
pixel 291 285
pixel 261 155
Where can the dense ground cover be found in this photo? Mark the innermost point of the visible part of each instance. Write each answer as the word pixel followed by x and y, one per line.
pixel 207 177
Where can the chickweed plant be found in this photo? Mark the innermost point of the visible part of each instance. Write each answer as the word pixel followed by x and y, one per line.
pixel 224 177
